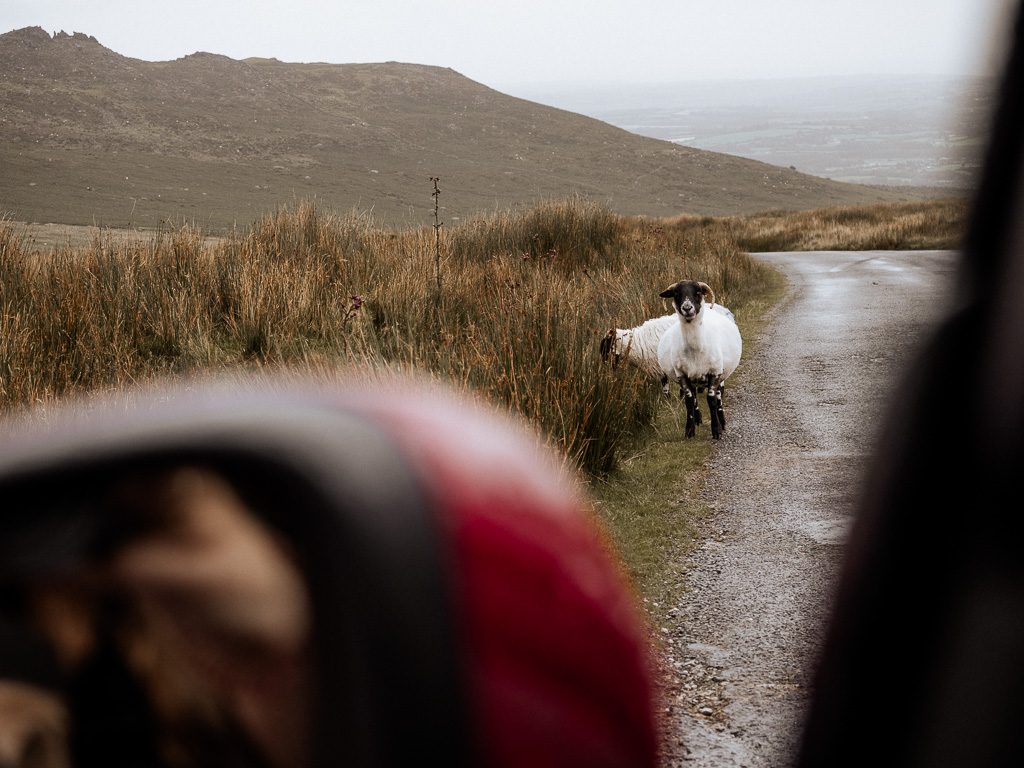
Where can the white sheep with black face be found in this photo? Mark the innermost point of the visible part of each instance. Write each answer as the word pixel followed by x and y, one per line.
pixel 701 349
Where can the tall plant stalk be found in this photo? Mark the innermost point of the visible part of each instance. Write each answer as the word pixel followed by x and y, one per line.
pixel 436 194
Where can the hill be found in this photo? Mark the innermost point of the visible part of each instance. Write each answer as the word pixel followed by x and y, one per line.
pixel 88 136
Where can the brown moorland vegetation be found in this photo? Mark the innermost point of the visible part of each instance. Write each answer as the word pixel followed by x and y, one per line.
pixel 523 302
pixel 933 225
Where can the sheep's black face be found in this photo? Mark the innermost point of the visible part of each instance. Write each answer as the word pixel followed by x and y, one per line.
pixel 610 348
pixel 687 297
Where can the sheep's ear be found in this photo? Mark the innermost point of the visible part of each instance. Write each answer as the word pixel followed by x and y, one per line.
pixel 668 293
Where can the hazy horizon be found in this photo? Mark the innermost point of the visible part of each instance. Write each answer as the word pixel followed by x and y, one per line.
pixel 567 42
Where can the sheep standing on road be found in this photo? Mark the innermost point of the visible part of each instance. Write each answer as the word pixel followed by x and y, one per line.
pixel 700 350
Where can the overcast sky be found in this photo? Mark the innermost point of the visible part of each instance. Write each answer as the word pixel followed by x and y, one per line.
pixel 549 41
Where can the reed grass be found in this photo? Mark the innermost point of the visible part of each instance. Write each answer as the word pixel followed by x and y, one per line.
pixel 517 315
pixel 932 225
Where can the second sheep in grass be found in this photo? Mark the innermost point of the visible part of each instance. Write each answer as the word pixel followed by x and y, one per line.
pixel 639 344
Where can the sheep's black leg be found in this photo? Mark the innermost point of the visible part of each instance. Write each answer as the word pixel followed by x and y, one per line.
pixel 664 386
pixel 721 408
pixel 690 393
pixel 715 407
pixel 698 418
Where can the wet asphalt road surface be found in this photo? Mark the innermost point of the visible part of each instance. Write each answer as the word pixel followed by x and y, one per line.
pixel 802 420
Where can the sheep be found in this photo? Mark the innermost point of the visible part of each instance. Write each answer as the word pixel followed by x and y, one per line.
pixel 639 344
pixel 701 350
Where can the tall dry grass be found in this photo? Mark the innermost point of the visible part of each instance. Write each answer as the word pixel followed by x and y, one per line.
pixel 523 302
pixel 932 225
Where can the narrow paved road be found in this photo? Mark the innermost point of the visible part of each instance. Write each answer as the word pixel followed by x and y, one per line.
pixel 802 421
